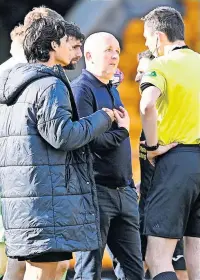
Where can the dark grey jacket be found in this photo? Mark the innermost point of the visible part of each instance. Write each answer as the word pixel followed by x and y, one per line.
pixel 49 199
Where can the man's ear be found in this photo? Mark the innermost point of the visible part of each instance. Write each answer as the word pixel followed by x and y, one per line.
pixel 54 45
pixel 162 37
pixel 88 56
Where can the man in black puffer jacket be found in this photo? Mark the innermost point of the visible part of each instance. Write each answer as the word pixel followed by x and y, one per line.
pixel 49 201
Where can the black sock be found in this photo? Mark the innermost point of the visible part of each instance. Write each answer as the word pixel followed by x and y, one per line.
pixel 169 275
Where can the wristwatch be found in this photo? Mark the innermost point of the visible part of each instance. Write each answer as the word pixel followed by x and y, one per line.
pixel 151 148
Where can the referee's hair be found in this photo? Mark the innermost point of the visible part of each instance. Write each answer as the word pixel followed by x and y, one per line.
pixel 167 20
pixel 146 54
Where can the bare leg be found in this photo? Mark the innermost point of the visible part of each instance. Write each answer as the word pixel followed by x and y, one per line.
pixel 182 274
pixel 192 256
pixel 159 254
pixel 40 271
pixel 15 270
pixel 62 268
pixel 3 258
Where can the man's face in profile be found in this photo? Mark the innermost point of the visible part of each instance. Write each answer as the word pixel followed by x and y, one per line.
pixel 142 68
pixel 75 45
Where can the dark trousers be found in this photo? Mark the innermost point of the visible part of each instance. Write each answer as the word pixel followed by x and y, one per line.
pixel 119 223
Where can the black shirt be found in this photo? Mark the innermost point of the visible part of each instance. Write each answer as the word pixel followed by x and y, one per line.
pixel 112 151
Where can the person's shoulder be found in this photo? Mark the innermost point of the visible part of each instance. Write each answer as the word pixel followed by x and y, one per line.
pixel 7 64
pixel 81 84
pixel 46 83
pixel 84 80
pixel 79 81
pixel 157 62
pixel 50 87
pixel 196 53
pixel 157 66
pixel 50 83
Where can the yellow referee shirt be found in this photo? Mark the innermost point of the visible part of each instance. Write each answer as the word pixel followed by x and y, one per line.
pixel 177 75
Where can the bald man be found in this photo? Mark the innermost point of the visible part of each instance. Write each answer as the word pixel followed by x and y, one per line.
pixel 119 218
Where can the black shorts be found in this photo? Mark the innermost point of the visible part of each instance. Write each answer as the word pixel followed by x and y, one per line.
pixel 172 208
pixel 49 257
pixel 178 259
pixel 147 172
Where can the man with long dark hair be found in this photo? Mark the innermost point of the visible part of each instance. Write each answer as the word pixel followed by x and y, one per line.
pixel 49 202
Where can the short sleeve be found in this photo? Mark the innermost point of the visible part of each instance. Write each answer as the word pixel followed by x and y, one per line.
pixel 155 76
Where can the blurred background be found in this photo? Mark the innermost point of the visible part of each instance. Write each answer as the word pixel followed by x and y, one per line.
pixel 122 19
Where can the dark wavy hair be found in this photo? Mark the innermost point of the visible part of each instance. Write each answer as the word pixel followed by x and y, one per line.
pixel 42 32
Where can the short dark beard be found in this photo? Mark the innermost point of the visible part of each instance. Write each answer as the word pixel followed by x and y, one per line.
pixel 70 66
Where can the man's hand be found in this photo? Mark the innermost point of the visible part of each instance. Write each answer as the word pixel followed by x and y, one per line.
pixel 110 113
pixel 122 118
pixel 161 150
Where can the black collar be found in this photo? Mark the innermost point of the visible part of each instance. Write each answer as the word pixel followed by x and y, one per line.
pixel 180 48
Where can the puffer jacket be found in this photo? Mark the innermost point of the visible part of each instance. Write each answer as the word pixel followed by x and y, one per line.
pixel 49 201
pixel 1 226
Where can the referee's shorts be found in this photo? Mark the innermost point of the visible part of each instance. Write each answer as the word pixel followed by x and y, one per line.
pixel 172 208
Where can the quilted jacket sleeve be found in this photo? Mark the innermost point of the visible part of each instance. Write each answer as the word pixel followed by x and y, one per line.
pixel 55 125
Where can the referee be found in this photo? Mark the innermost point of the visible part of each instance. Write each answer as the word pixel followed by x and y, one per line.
pixel 170 114
pixel 147 171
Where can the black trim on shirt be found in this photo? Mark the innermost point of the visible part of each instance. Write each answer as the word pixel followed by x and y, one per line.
pixel 180 48
pixel 146 85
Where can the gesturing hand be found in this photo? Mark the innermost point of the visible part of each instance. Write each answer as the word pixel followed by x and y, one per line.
pixel 122 118
pixel 110 113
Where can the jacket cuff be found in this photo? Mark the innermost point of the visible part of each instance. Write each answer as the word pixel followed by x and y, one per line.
pixel 125 131
pixel 107 117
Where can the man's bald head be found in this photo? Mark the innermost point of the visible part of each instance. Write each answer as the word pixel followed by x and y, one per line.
pixel 101 51
pixel 97 39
